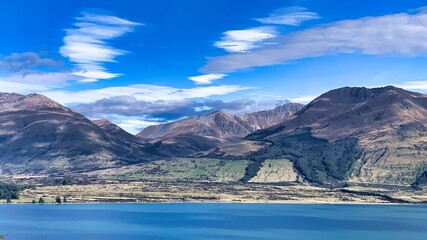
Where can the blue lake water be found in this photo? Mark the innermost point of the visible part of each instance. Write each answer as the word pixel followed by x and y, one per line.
pixel 212 221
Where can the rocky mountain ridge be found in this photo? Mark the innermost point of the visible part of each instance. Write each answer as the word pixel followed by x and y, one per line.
pixel 212 129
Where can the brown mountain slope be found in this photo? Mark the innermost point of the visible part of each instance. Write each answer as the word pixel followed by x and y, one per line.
pixel 203 132
pixel 39 135
pixel 360 112
pixel 219 124
pixel 366 135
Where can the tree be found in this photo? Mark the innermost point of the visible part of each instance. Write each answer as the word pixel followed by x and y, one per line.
pixel 58 199
pixel 41 200
pixel 65 199
pixel 8 199
pixel 9 191
pixel 34 201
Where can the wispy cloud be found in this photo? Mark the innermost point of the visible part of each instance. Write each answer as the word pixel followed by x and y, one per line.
pixel 303 99
pixel 34 82
pixel 247 39
pixel 87 45
pixel 293 16
pixel 142 92
pixel 207 78
pixel 18 87
pixel 17 62
pixel 399 34
pixel 413 85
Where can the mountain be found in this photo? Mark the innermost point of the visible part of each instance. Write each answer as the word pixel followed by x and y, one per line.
pixel 115 130
pixel 218 124
pixel 268 118
pixel 39 135
pixel 196 133
pixel 349 134
pixel 203 132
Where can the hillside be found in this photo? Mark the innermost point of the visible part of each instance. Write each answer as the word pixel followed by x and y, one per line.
pixel 349 135
pixel 38 135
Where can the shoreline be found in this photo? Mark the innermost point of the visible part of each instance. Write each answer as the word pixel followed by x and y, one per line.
pixel 140 192
pixel 249 202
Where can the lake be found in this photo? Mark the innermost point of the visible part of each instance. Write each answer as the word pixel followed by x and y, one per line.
pixel 212 221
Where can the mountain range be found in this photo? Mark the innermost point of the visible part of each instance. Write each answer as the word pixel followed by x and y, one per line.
pixel 347 135
pixel 39 135
pixel 203 132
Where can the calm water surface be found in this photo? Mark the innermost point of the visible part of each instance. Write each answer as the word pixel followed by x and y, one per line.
pixel 212 221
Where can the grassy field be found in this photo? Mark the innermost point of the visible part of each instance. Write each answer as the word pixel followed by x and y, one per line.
pixel 181 169
pixel 29 199
pixel 152 191
pixel 276 170
pixel 207 180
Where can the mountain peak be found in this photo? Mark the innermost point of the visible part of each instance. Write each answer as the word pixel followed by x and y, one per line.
pixel 17 102
pixel 103 122
pixel 9 97
pixel 218 112
pixel 347 94
pixel 36 101
pixel 359 111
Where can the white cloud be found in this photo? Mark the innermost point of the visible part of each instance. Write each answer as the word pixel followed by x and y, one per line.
pixel 34 82
pixel 303 99
pixel 207 78
pixel 105 19
pixel 245 40
pixel 16 87
pixel 414 85
pixel 134 125
pixel 131 124
pixel 87 47
pixel 293 16
pixel 141 92
pixel 398 34
pixel 20 62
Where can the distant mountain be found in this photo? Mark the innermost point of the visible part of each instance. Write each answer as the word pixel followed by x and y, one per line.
pixel 203 132
pixel 374 135
pixel 39 135
pixel 268 118
pixel 218 124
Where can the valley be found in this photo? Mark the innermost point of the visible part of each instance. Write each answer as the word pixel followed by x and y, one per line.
pixel 206 180
pixel 354 145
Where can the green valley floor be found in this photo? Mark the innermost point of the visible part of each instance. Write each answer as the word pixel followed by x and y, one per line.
pixel 204 180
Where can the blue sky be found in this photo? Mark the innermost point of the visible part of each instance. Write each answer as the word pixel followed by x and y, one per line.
pixel 146 62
